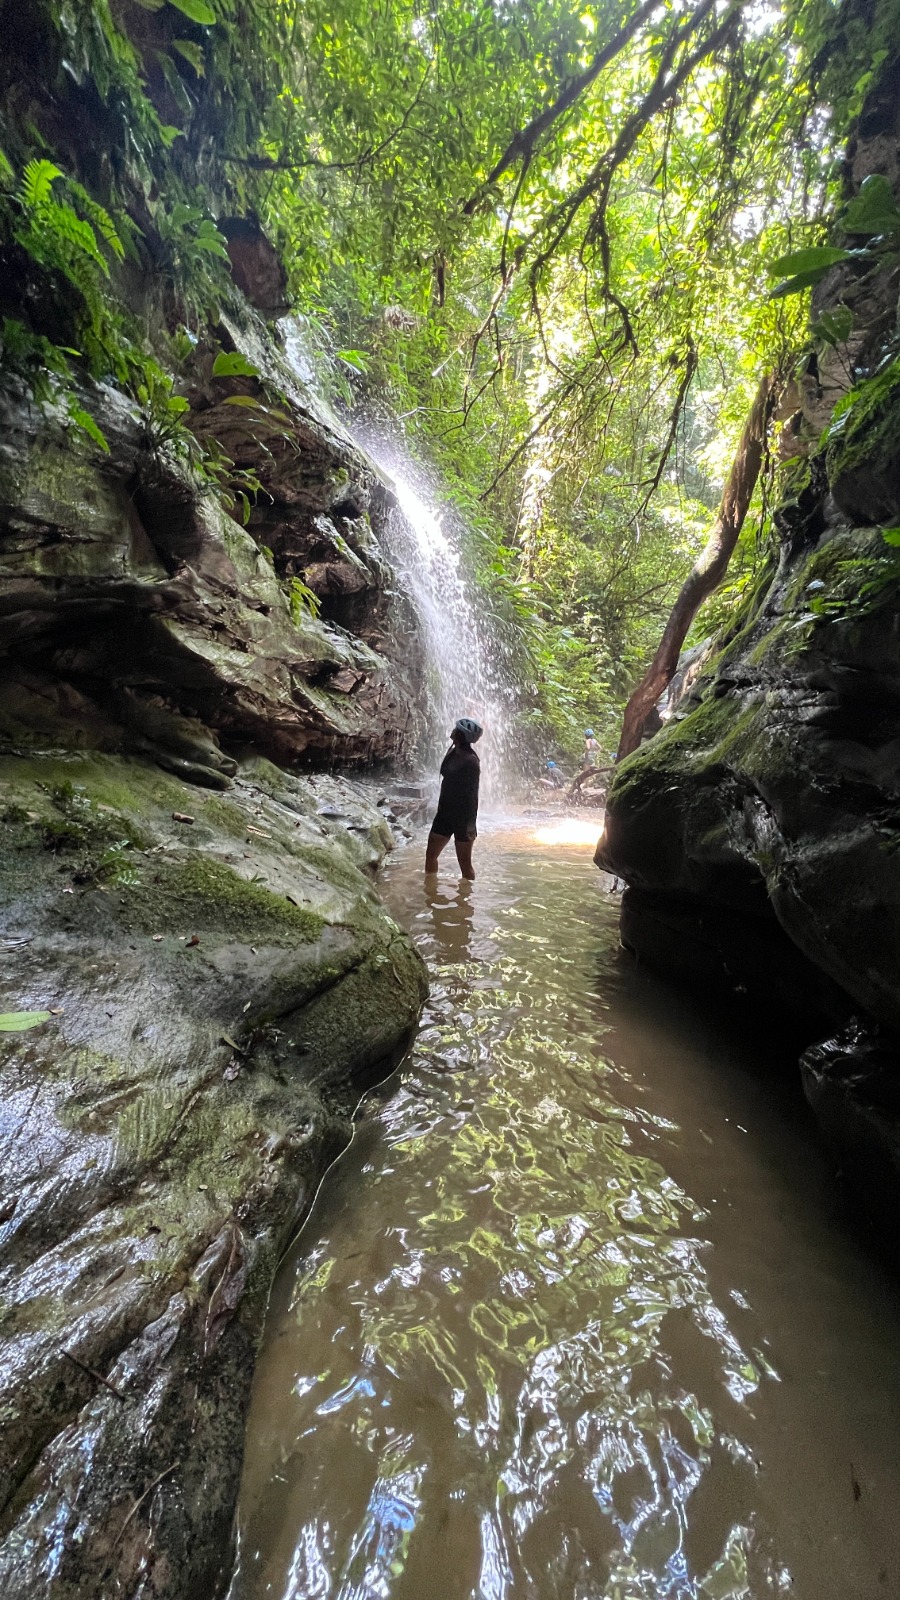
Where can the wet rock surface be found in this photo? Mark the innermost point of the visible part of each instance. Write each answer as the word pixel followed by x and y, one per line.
pixel 759 831
pixel 223 982
pixel 851 1081
pixel 126 579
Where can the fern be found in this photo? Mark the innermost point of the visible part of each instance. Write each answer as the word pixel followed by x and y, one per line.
pixel 99 219
pixel 36 190
pixel 302 600
pixel 69 233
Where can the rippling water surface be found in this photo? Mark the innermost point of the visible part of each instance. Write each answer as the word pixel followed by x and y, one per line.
pixel 576 1315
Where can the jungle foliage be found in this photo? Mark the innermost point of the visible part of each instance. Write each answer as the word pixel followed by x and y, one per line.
pixel 556 246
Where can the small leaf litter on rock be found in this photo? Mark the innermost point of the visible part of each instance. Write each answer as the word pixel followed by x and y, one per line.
pixel 192 940
pixel 181 816
pixel 156 938
pixel 56 1011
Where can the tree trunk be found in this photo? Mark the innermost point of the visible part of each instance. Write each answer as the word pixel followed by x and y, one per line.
pixel 708 570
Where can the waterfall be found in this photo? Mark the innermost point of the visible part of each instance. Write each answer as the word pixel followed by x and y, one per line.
pixel 465 677
pixel 464 655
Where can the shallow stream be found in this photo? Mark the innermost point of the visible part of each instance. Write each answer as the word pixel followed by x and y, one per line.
pixel 577 1316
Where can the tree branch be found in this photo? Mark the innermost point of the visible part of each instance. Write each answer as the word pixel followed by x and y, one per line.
pixel 665 85
pixel 691 363
pixel 709 568
pixel 523 142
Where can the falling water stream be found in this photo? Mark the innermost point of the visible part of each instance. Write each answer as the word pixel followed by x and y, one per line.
pixel 464 677
pixel 575 1315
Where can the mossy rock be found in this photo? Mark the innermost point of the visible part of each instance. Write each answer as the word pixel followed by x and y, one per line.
pixel 863 453
pixel 215 1015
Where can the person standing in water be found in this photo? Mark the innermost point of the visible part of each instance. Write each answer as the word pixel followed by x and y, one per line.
pixel 591 750
pixel 457 810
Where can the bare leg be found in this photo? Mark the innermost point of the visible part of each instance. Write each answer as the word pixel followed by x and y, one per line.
pixel 464 857
pixel 436 843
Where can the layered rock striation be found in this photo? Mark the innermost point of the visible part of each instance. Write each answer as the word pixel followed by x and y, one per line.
pixel 128 588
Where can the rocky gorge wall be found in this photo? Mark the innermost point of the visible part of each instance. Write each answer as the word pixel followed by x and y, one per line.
pixel 759 832
pixel 203 927
pixel 198 623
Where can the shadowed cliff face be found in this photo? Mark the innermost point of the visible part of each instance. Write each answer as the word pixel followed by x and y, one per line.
pixel 759 832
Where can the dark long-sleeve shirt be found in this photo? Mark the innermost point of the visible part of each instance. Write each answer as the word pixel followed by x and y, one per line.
pixel 460 772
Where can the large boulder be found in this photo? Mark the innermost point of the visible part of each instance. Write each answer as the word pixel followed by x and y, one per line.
pixel 120 570
pixel 223 983
pixel 768 805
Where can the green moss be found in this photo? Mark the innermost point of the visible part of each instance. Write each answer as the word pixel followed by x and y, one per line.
pixel 209 894
pixel 707 733
pixel 869 430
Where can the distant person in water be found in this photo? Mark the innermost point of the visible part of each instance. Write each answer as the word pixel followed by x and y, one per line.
pixel 457 811
pixel 591 749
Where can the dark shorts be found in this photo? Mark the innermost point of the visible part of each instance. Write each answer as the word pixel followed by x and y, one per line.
pixel 450 827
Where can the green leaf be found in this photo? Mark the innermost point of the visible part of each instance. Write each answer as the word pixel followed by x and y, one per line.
pixel 177 405
pixel 180 215
pixel 355 359
pixel 212 246
pixel 873 210
pixel 197 10
pixel 231 364
pixel 833 327
pixel 18 1021
pixel 169 133
pixel 6 171
pixel 891 536
pixel 803 280
pixel 242 400
pixel 816 258
pixel 192 54
pixel 83 420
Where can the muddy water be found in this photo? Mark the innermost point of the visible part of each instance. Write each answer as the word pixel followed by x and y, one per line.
pixel 576 1315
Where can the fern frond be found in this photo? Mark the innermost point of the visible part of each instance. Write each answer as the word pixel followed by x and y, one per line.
pixel 73 232
pixel 100 219
pixel 36 188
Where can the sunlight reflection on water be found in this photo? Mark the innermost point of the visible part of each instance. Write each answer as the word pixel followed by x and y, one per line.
pixel 513 1357
pixel 569 830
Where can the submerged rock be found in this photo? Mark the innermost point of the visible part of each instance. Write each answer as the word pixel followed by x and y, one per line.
pixel 222 983
pixel 852 1083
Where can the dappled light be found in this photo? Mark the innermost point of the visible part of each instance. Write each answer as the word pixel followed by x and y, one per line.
pixel 527 1346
